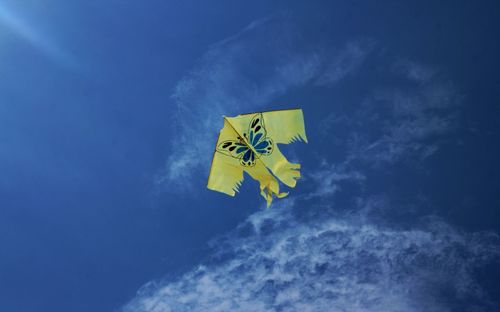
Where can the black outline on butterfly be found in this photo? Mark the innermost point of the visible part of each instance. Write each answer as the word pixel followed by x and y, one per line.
pixel 256 138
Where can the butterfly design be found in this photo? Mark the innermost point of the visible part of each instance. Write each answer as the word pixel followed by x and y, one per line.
pixel 253 144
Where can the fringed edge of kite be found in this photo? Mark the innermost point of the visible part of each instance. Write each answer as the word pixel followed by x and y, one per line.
pixel 231 191
pixel 297 138
pixel 236 187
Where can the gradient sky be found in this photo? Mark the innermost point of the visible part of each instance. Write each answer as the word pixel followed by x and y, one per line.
pixel 109 112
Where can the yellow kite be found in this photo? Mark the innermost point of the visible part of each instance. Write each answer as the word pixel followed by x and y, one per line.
pixel 248 143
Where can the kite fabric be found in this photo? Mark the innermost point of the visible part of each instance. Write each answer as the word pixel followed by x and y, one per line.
pixel 248 143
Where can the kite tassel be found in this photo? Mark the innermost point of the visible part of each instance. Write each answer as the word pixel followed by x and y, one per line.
pixel 268 190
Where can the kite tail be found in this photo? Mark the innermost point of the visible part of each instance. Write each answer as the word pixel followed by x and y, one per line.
pixel 268 190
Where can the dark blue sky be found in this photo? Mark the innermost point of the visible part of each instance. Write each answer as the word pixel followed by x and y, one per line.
pixel 109 112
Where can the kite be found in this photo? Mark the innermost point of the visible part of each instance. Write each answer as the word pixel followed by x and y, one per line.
pixel 248 143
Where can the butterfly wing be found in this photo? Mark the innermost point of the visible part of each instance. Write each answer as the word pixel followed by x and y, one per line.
pixel 232 148
pixel 257 136
pixel 256 129
pixel 264 147
pixel 238 150
pixel 248 159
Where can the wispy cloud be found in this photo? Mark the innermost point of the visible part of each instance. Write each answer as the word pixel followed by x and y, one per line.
pixel 277 262
pixel 396 121
pixel 328 178
pixel 415 120
pixel 345 61
pixel 414 71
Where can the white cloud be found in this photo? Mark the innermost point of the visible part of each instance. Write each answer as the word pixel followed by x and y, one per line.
pixel 415 121
pixel 345 61
pixel 414 71
pixel 397 122
pixel 329 177
pixel 332 263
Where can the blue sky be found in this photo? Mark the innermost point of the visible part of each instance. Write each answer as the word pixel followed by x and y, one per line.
pixel 109 112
